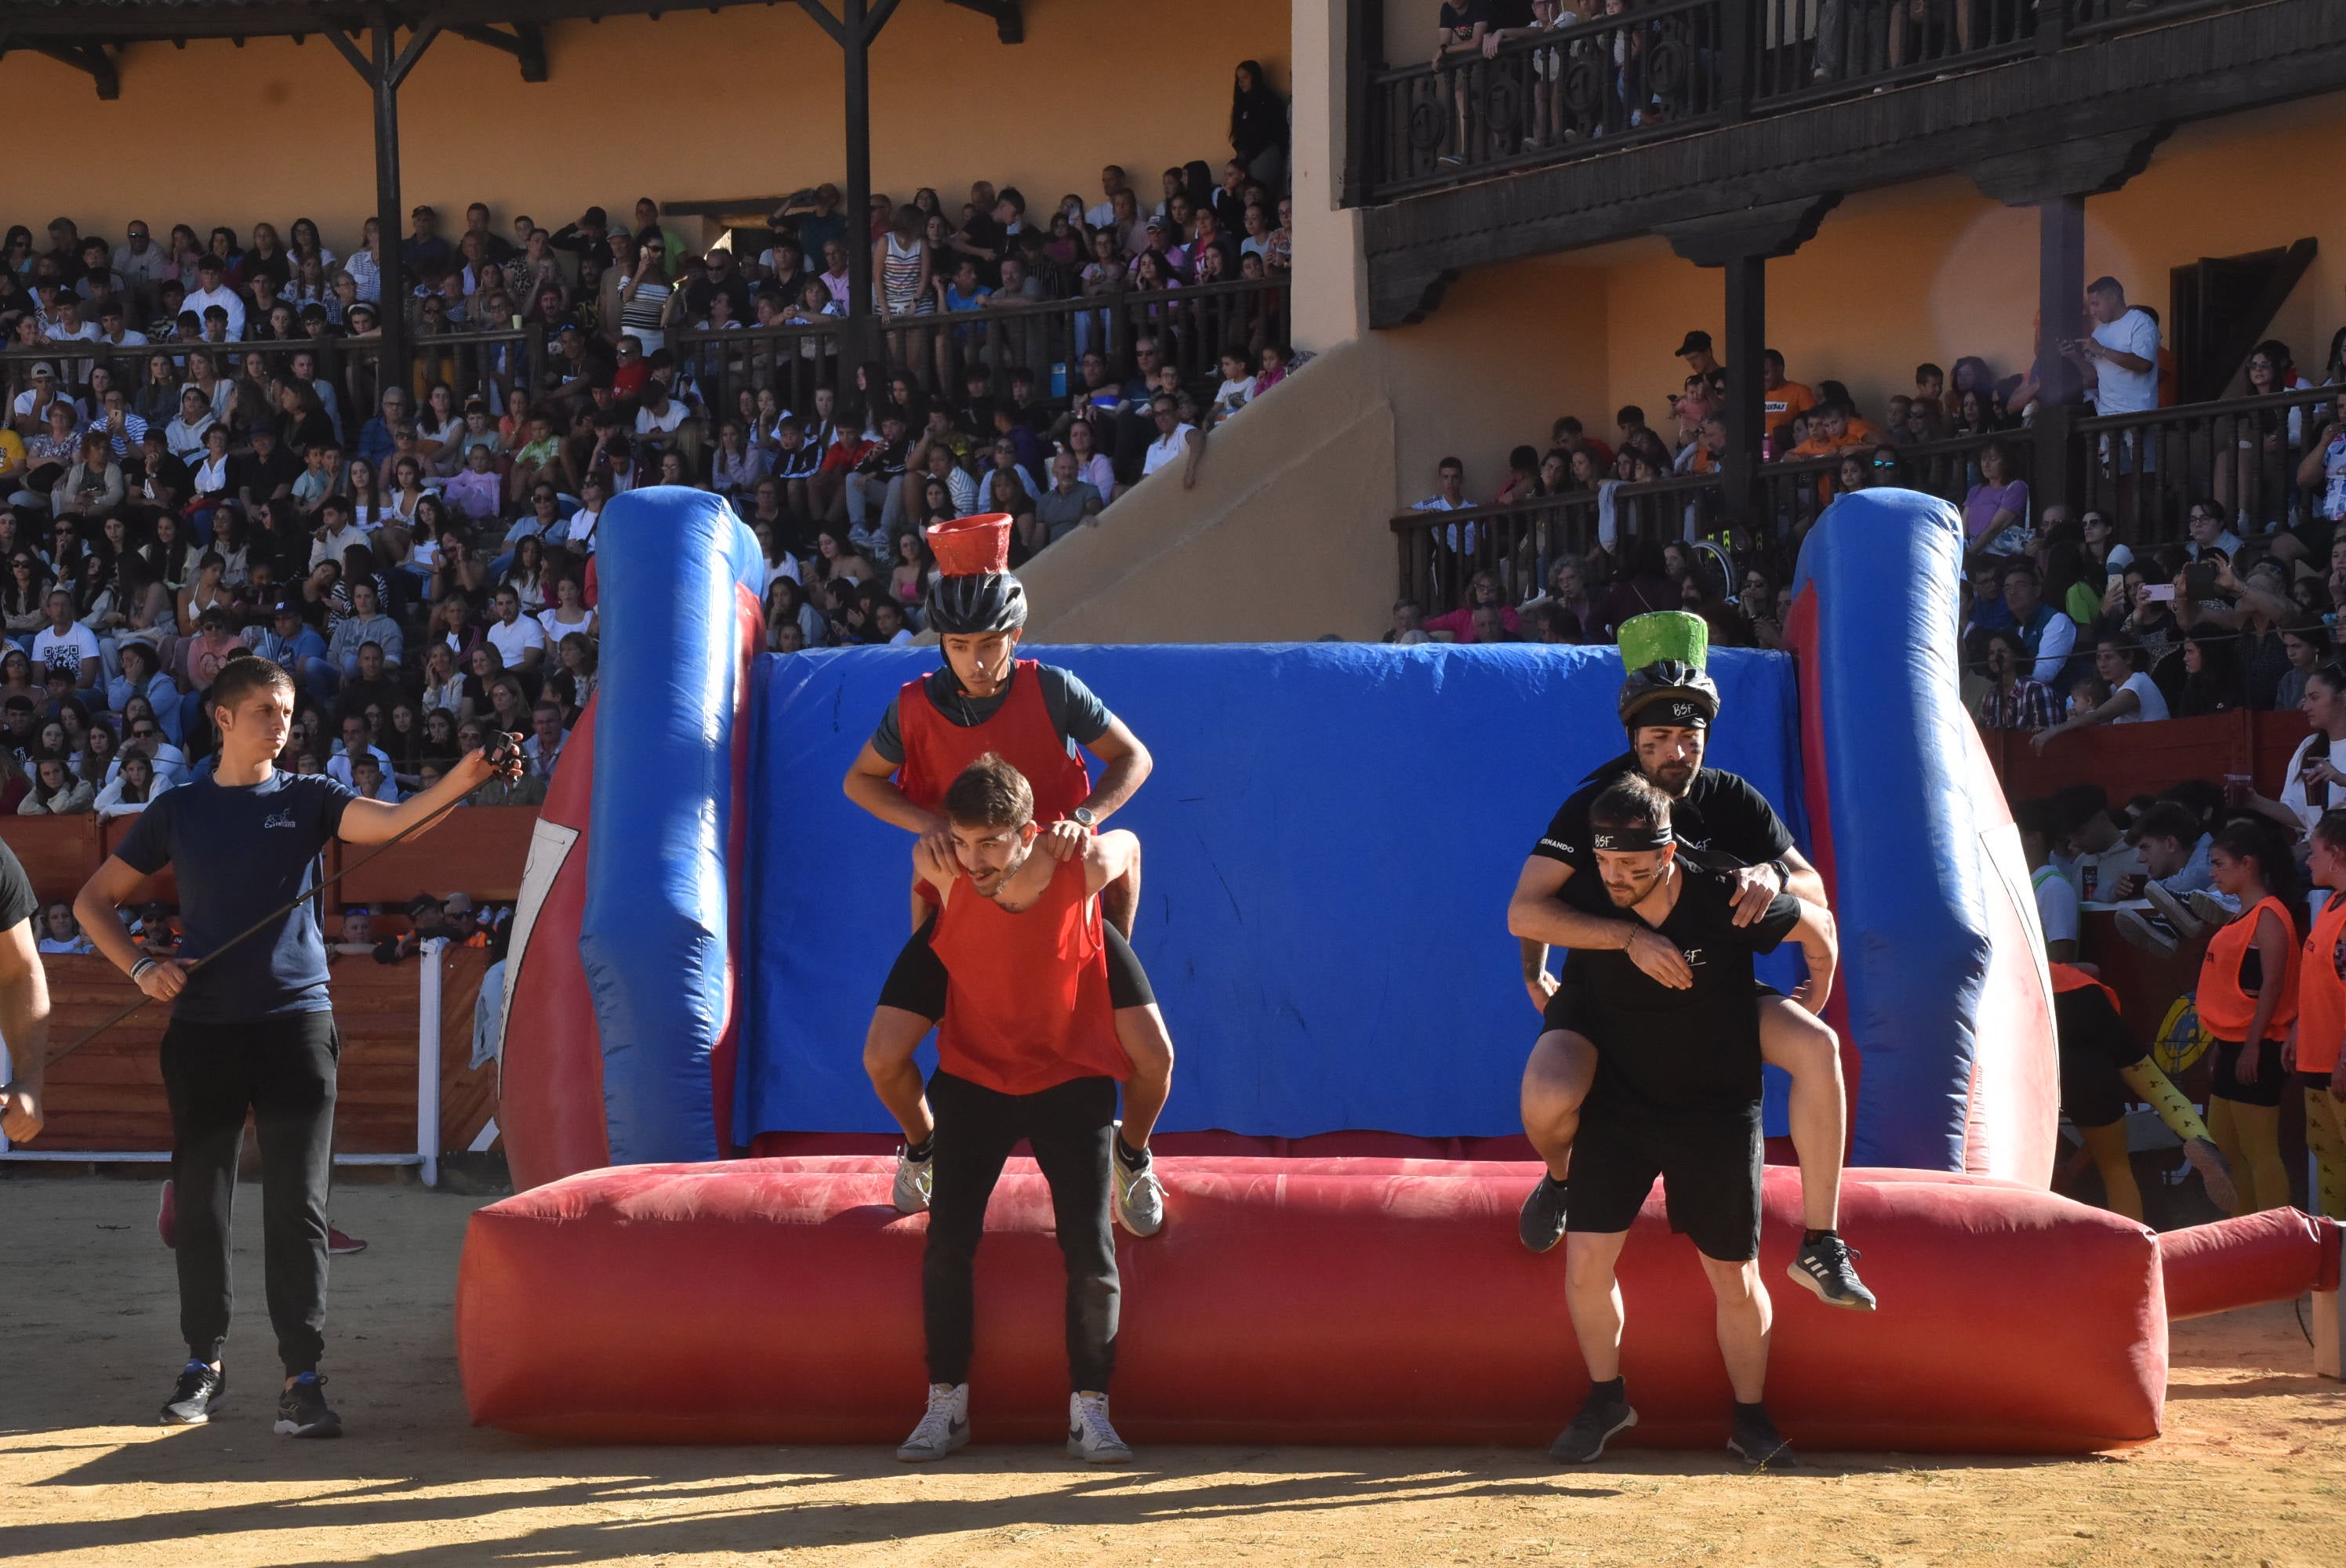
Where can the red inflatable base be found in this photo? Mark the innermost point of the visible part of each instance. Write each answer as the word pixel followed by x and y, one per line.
pixel 1332 1301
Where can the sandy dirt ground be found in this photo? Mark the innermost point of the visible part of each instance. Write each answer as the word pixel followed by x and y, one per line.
pixel 2252 1469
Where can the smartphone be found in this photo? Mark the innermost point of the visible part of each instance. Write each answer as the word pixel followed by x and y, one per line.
pixel 2159 593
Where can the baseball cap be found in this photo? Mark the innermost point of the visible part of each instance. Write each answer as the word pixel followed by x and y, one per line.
pixel 45 368
pixel 456 904
pixel 1696 344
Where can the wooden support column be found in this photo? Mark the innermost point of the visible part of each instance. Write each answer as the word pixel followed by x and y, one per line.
pixel 2056 179
pixel 383 64
pixel 1740 244
pixel 853 30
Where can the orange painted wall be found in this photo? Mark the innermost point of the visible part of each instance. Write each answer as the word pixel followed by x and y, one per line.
pixel 1934 271
pixel 694 106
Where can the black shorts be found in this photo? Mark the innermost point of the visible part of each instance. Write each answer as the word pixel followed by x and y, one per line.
pixel 2095 1046
pixel 2264 1089
pixel 2315 1082
pixel 1710 1166
pixel 916 982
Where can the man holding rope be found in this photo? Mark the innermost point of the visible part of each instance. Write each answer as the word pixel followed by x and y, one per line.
pixel 252 1025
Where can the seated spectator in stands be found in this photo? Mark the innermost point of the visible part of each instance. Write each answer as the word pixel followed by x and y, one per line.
pixel 543 749
pixel 65 645
pixel 366 624
pixel 2314 783
pixel 1489 624
pixel 357 741
pixel 1995 510
pixel 2322 473
pixel 1176 442
pixel 2041 838
pixel 519 641
pixel 476 491
pixel 2308 645
pixel 56 791
pixel 1068 503
pixel 2133 698
pixel 134 784
pixel 357 939
pixel 1408 616
pixel 371 779
pixel 2211 678
pixel 2208 530
pixel 59 931
pixel 1482 589
pixel 2015 699
pixel 2174 847
pixel 2048 633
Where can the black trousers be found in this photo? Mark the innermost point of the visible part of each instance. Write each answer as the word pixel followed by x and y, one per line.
pixel 1069 1126
pixel 282 1070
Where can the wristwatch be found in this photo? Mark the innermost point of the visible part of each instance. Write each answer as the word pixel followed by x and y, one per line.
pixel 1086 815
pixel 1784 874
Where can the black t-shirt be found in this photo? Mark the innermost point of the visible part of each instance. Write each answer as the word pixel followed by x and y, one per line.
pixel 1079 717
pixel 1721 822
pixel 17 903
pixel 1458 18
pixel 1679 1052
pixel 239 851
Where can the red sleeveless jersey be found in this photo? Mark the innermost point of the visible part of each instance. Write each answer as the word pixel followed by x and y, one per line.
pixel 1026 1003
pixel 936 749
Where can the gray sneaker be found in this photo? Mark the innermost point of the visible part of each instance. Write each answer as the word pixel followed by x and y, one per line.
pixel 1090 1438
pixel 914 1179
pixel 2214 908
pixel 944 1425
pixel 1139 1197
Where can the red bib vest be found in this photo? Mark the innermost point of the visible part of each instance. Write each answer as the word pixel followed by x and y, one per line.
pixel 2224 1007
pixel 936 749
pixel 1026 1003
pixel 2320 994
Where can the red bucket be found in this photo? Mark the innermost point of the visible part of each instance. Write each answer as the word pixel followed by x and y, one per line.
pixel 967 546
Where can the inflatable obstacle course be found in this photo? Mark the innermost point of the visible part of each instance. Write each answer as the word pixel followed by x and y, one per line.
pixel 1331 833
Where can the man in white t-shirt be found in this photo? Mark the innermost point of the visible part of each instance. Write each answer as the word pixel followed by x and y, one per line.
pixel 358 740
pixel 64 645
pixel 2120 360
pixel 1176 443
pixel 1104 212
pixel 211 291
pixel 519 641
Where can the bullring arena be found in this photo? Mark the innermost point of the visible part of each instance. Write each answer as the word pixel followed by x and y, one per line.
pixel 1188 1183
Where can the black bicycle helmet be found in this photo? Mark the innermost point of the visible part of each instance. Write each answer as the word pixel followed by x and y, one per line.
pixel 976 604
pixel 1669 691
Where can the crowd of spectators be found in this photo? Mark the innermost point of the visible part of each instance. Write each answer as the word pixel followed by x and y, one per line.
pixel 195 460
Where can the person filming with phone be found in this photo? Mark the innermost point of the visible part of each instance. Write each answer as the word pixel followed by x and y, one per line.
pixel 2315 781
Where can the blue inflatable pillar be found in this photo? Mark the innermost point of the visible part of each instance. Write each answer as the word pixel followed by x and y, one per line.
pixel 679 577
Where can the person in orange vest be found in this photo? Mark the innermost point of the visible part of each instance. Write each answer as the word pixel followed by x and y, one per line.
pixel 2095 1042
pixel 986 699
pixel 2248 999
pixel 1027 1049
pixel 2313 1052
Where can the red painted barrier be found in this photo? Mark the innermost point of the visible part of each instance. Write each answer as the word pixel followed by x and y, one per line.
pixel 1289 1301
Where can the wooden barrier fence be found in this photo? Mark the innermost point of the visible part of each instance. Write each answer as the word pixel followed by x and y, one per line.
pixel 2129 759
pixel 479 851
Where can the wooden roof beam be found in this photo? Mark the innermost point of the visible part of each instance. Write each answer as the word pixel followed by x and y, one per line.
pixel 1009 16
pixel 526 43
pixel 89 59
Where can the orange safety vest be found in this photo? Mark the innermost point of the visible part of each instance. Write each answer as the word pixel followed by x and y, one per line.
pixel 2067 977
pixel 2224 1007
pixel 2320 994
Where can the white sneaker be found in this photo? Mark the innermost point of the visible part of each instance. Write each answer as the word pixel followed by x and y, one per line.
pixel 1090 1438
pixel 1139 1197
pixel 913 1180
pixel 944 1425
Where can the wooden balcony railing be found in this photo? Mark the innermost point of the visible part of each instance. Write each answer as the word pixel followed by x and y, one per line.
pixel 1048 338
pixel 1661 70
pixel 2146 470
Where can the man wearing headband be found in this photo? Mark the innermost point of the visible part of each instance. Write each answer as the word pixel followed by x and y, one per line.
pixel 1677 1095
pixel 1720 823
pixel 1037 717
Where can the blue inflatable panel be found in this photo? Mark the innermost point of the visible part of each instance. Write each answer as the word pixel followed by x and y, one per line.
pixel 1901 833
pixel 654 937
pixel 1329 839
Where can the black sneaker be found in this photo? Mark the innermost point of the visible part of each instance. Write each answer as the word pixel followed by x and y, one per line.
pixel 1541 1223
pixel 1828 1267
pixel 301 1410
pixel 1754 1439
pixel 1595 1425
pixel 196 1398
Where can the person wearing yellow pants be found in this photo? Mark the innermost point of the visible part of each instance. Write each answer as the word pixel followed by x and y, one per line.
pixel 2097 1054
pixel 2312 1054
pixel 2248 999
